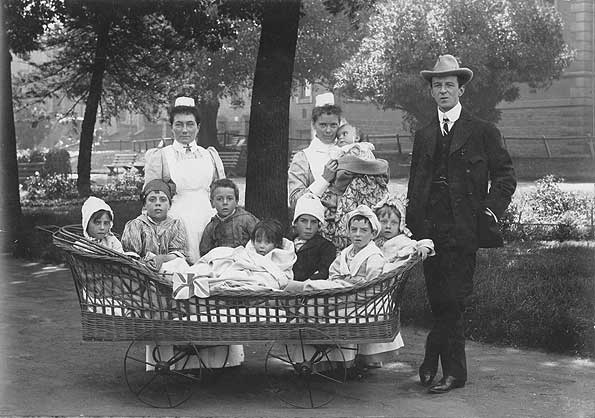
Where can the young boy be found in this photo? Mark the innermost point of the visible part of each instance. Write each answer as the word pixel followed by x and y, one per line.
pixel 362 260
pixel 314 253
pixel 232 225
pixel 97 223
pixel 156 237
pixel 394 238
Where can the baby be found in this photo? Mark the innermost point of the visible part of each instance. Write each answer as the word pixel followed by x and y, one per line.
pixel 97 224
pixel 394 239
pixel 265 262
pixel 348 141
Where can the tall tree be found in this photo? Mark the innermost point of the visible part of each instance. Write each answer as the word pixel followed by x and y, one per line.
pixel 266 173
pixel 23 22
pixel 111 55
pixel 504 43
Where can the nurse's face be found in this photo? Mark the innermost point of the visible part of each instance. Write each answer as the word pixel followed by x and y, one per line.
pixel 184 128
pixel 326 128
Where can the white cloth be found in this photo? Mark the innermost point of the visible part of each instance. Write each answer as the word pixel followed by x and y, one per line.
pixel 318 154
pixel 191 203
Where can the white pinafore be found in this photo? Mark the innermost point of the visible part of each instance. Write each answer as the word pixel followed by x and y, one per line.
pixel 191 203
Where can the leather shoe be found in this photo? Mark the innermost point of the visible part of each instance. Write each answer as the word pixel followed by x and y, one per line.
pixel 426 377
pixel 447 384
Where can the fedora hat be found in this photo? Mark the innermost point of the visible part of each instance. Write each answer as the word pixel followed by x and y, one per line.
pixel 448 65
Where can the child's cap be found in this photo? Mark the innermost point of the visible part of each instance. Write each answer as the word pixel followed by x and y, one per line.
pixel 400 205
pixel 158 185
pixel 366 212
pixel 92 205
pixel 309 204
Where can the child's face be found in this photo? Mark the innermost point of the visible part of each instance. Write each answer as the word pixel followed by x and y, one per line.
pixel 224 200
pixel 346 135
pixel 360 233
pixel 390 223
pixel 99 227
pixel 157 205
pixel 306 226
pixel 263 246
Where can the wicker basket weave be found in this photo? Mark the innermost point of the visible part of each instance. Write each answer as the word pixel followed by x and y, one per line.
pixel 121 299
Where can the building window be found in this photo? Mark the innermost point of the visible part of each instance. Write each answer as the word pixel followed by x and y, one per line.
pixel 304 114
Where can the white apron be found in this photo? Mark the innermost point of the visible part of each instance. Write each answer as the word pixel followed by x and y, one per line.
pixel 191 203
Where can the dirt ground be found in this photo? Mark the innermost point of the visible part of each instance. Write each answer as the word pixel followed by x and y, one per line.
pixel 48 370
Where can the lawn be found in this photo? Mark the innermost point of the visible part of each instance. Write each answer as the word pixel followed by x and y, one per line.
pixel 529 294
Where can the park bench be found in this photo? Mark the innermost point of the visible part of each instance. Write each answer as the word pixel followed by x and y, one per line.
pixel 28 169
pixel 230 160
pixel 125 161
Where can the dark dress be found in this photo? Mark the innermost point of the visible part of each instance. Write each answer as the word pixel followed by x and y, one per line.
pixel 314 259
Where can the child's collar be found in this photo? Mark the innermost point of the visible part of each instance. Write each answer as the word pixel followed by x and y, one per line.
pixel 228 216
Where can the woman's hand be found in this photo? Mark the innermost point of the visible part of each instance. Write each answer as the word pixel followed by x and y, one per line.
pixel 330 170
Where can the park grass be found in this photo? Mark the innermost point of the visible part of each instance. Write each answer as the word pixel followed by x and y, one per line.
pixel 528 294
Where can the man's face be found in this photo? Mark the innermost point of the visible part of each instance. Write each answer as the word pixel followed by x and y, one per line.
pixel 184 128
pixel 157 205
pixel 446 92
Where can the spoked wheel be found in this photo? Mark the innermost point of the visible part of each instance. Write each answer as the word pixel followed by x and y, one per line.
pixel 156 373
pixel 306 375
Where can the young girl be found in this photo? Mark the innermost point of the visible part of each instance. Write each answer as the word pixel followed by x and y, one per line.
pixel 154 236
pixel 394 239
pixel 265 262
pixel 97 223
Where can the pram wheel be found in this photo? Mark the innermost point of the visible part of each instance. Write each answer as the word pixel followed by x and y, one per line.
pixel 306 375
pixel 156 373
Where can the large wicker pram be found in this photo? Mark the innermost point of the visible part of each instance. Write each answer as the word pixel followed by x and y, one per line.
pixel 122 300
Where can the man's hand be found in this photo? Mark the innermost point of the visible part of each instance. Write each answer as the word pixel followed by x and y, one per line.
pixel 330 170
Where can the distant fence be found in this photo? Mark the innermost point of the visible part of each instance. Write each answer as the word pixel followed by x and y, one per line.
pixel 523 147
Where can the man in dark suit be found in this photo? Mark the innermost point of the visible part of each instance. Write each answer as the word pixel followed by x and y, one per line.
pixel 461 182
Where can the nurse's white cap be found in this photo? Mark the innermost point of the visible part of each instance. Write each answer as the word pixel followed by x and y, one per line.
pixel 184 101
pixel 324 99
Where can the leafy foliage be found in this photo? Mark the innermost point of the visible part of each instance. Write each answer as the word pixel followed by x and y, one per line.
pixel 503 42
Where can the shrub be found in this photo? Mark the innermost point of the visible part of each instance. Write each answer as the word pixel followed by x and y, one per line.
pixel 534 294
pixel 57 161
pixel 548 213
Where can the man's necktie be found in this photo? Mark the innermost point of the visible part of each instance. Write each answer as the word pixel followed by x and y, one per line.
pixel 188 148
pixel 445 125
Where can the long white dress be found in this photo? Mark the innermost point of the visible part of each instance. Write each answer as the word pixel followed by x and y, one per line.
pixel 193 172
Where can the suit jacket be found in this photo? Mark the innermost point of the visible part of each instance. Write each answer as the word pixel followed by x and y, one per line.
pixel 314 259
pixel 480 176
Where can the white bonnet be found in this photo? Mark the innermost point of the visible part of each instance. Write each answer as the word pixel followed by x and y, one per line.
pixel 309 204
pixel 368 213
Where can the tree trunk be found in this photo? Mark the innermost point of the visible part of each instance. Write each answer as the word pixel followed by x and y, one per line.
pixel 84 161
pixel 266 173
pixel 207 136
pixel 10 209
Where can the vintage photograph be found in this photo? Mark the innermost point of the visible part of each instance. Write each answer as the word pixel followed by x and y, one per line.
pixel 297 208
